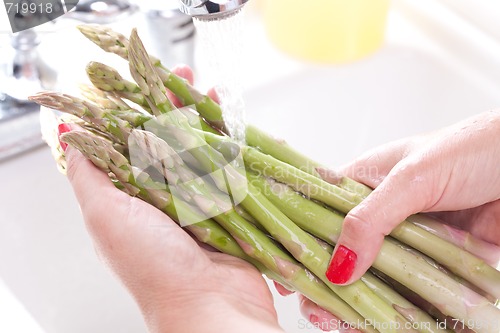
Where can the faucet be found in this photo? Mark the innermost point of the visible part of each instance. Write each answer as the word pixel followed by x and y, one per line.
pixel 208 10
pixel 23 73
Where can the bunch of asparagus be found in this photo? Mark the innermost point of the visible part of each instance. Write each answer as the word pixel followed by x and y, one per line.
pixel 266 203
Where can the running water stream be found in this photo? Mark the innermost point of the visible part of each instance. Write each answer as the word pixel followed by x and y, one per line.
pixel 221 44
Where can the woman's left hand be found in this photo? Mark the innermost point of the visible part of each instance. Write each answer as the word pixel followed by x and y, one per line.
pixel 178 285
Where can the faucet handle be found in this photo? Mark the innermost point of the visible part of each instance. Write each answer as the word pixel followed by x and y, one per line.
pixel 211 9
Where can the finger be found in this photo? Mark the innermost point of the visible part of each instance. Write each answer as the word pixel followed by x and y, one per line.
pixel 372 167
pixel 131 235
pixel 282 290
pixel 400 195
pixel 185 72
pixel 321 318
pixel 212 93
pixel 94 192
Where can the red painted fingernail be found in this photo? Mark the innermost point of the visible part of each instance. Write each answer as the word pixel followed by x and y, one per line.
pixel 61 129
pixel 313 319
pixel 342 265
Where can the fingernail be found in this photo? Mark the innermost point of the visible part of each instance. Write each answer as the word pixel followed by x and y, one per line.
pixel 61 129
pixel 323 325
pixel 280 289
pixel 342 265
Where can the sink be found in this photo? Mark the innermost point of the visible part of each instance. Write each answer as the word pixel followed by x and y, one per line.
pixel 419 81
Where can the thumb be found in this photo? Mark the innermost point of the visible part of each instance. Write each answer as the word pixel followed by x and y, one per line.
pixel 366 225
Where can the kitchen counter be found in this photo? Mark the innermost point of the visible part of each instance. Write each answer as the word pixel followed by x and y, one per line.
pixel 433 70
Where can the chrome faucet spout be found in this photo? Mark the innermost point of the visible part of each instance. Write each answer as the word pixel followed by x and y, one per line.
pixel 208 10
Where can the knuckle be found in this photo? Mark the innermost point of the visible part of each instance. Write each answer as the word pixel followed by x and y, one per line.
pixel 356 224
pixel 72 166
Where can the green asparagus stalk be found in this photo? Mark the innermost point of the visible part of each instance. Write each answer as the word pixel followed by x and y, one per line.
pixel 454 257
pixel 140 67
pixel 103 120
pixel 443 321
pixel 282 151
pixel 483 276
pixel 444 292
pixel 252 240
pixel 311 186
pixel 104 156
pixel 347 191
pixel 461 262
pixel 305 249
pixel 108 100
pixel 108 79
pixel 113 104
pixel 420 319
pixel 463 239
pixel 269 222
pixel 300 244
pixel 444 249
pixel 114 42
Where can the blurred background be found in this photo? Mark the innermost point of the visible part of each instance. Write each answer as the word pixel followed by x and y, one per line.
pixel 332 77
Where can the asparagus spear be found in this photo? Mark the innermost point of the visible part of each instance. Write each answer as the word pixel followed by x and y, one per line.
pixel 461 262
pixel 450 323
pixel 105 157
pixel 261 140
pixel 282 151
pixel 103 120
pixel 421 320
pixel 105 76
pixel 108 100
pixel 108 79
pixel 463 239
pixel 444 292
pixel 272 219
pixel 140 66
pixel 300 244
pixel 252 240
pixel 114 42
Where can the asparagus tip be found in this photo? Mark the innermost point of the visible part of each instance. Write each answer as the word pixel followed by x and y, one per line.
pixel 331 176
pixel 47 99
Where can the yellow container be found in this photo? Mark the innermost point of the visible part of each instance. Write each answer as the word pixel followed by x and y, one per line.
pixel 331 31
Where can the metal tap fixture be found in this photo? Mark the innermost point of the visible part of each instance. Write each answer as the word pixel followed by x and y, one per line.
pixel 168 32
pixel 101 12
pixel 208 10
pixel 24 73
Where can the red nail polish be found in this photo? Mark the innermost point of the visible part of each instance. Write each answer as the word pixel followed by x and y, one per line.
pixel 61 129
pixel 313 319
pixel 342 265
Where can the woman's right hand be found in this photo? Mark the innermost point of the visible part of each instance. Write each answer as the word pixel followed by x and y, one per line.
pixel 453 173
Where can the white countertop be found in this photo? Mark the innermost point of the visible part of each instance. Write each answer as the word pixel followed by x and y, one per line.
pixel 426 76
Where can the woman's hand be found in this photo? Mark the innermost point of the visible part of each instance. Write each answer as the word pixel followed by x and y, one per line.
pixel 455 169
pixel 178 285
pixel 453 173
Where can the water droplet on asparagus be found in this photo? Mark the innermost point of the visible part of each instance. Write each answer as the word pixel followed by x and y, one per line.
pixel 221 43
